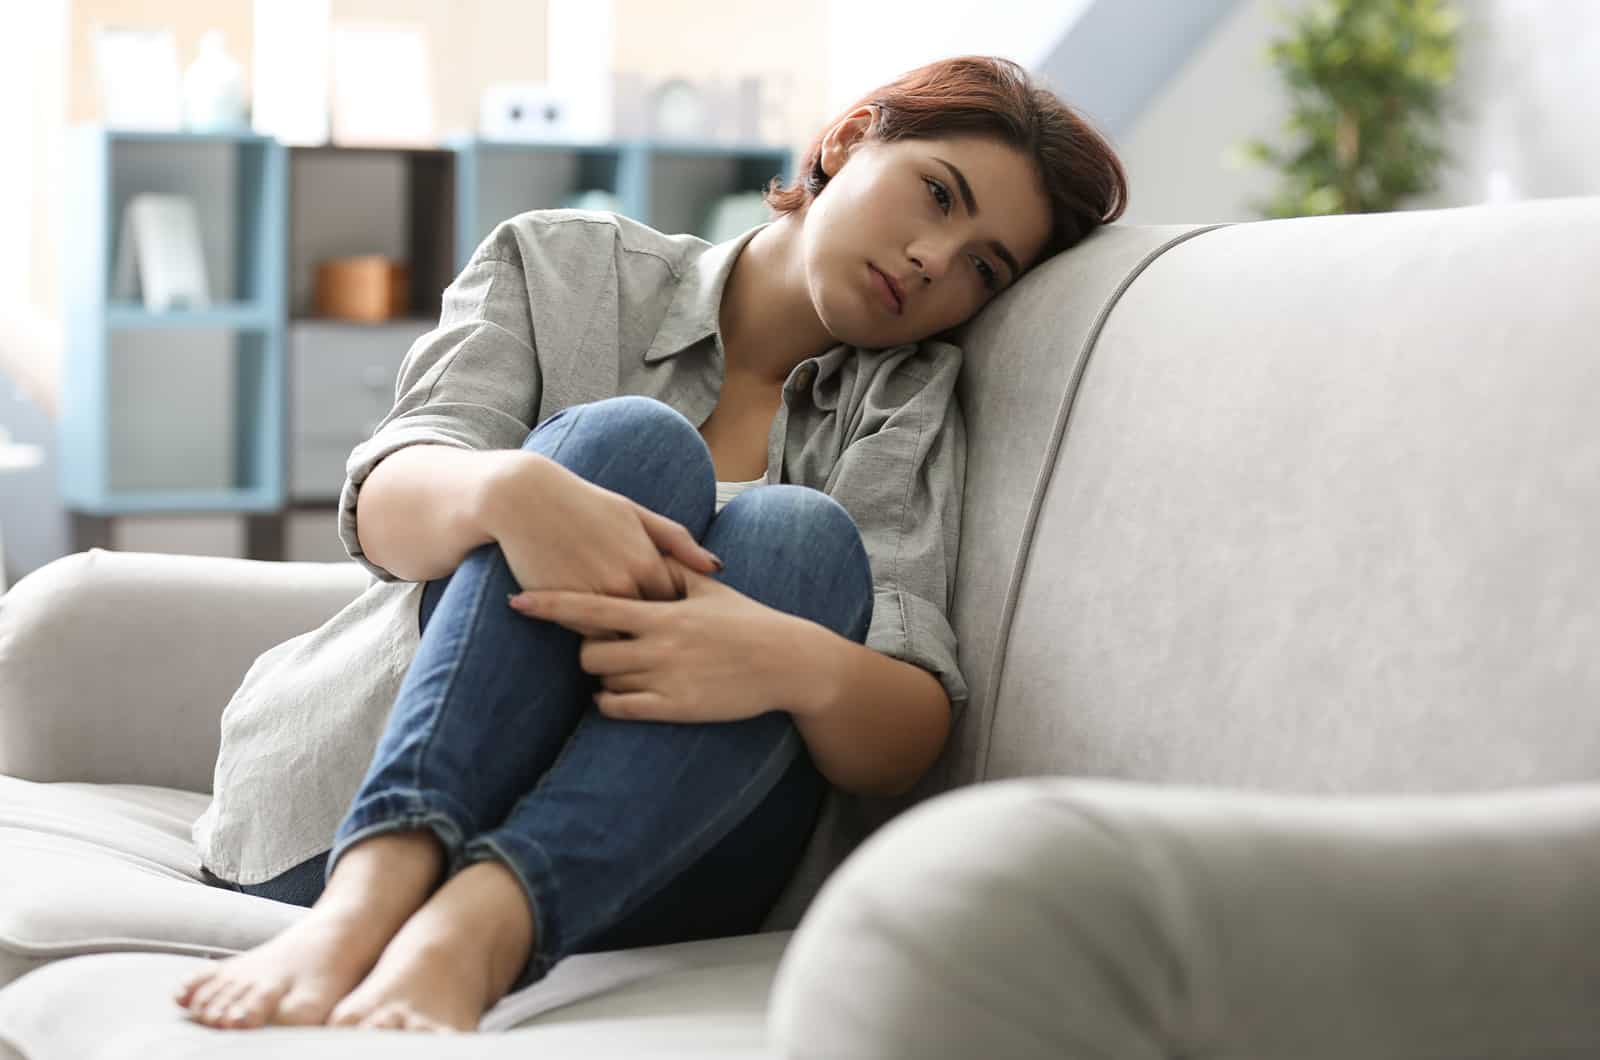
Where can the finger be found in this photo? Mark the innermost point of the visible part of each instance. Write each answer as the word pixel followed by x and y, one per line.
pixel 658 583
pixel 632 705
pixel 636 682
pixel 589 610
pixel 680 573
pixel 676 539
pixel 583 629
pixel 605 658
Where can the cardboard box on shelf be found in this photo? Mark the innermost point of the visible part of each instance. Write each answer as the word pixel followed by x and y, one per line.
pixel 366 287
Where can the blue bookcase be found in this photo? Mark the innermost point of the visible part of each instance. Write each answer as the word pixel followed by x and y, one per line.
pixel 670 186
pixel 250 406
pixel 176 411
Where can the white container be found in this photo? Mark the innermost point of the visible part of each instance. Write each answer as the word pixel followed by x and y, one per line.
pixel 289 101
pixel 213 88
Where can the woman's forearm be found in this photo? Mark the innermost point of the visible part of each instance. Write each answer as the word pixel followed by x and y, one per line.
pixel 873 724
pixel 424 507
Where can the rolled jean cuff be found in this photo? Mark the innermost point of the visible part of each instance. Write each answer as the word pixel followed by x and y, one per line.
pixel 543 900
pixel 397 811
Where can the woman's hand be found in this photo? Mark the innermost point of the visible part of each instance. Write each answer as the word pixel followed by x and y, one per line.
pixel 560 531
pixel 715 655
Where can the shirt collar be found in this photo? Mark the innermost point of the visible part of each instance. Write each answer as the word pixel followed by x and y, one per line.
pixel 696 306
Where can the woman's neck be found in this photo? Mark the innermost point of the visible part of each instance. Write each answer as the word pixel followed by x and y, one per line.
pixel 767 321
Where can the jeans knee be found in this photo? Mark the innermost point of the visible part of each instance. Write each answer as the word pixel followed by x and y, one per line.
pixel 801 513
pixel 808 513
pixel 637 417
pixel 634 444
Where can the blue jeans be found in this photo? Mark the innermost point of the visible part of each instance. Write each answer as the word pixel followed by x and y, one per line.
pixel 621 833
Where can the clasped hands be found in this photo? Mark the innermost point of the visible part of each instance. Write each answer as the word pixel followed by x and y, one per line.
pixel 714 654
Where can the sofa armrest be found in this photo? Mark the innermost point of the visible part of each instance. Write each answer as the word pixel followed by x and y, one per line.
pixel 115 666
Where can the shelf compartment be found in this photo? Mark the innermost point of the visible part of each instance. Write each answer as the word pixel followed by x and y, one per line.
pixel 496 180
pixel 683 183
pixel 397 202
pixel 235 182
pixel 192 422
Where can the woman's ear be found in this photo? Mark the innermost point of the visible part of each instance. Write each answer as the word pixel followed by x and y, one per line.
pixel 846 136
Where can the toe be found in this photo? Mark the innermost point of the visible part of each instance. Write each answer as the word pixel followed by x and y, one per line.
pixel 202 996
pixel 389 1016
pixel 348 1013
pixel 189 985
pixel 217 1007
pixel 301 1008
pixel 431 1025
pixel 250 1008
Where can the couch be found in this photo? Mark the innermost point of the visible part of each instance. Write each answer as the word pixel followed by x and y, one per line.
pixel 1290 510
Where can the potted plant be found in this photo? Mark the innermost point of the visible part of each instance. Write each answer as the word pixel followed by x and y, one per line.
pixel 1367 81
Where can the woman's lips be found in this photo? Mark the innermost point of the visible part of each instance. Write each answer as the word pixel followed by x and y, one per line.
pixel 881 282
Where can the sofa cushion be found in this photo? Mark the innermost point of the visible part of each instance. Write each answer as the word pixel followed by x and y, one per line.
pixel 92 868
pixel 703 999
pixel 101 883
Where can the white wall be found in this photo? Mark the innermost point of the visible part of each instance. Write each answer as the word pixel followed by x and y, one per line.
pixel 1531 76
pixel 1528 79
pixel 32 102
pixel 869 44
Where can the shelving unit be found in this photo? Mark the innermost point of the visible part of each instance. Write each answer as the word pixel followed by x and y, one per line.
pixel 177 411
pixel 669 186
pixel 252 405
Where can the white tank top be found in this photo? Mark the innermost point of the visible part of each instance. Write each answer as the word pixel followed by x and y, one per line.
pixel 726 491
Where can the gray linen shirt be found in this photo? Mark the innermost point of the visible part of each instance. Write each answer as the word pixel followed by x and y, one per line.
pixel 555 308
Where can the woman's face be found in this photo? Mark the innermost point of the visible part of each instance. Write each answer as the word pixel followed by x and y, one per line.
pixel 951 222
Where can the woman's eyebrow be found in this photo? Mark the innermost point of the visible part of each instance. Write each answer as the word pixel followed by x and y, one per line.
pixel 972 208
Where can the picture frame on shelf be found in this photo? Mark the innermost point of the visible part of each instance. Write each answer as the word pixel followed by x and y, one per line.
pixel 159 254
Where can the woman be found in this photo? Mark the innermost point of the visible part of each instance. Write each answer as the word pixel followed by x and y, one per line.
pixel 636 753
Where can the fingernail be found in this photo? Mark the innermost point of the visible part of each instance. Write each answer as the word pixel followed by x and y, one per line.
pixel 715 559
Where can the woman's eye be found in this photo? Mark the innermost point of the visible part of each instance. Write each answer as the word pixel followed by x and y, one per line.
pixel 939 193
pixel 989 278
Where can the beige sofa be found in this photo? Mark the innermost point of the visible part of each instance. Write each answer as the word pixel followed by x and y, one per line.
pixel 1292 508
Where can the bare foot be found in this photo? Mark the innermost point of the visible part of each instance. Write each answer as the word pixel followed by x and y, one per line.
pixel 452 961
pixel 297 976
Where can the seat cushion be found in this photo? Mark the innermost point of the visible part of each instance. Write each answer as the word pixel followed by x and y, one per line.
pixel 95 868
pixel 102 909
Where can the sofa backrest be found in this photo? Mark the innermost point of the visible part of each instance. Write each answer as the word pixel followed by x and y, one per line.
pixel 1300 504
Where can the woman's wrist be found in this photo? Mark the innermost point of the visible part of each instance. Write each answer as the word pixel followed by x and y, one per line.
pixel 810 660
pixel 507 474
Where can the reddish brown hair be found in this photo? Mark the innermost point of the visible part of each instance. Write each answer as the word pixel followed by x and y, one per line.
pixel 980 95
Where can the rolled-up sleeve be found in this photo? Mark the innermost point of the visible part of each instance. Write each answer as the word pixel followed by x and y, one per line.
pixel 472 382
pixel 902 484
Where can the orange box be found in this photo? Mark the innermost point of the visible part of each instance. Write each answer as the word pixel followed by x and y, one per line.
pixel 366 287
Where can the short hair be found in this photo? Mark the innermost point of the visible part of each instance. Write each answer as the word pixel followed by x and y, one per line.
pixel 980 95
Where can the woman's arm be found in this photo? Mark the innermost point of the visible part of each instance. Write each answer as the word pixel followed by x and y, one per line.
pixel 424 507
pixel 874 724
